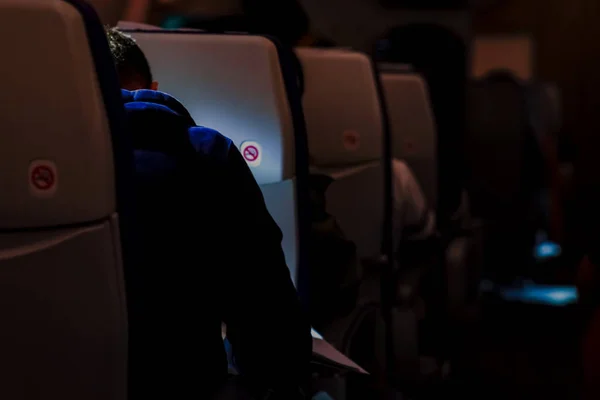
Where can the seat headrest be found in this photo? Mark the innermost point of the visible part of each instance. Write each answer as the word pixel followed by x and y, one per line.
pixel 57 162
pixel 231 83
pixel 342 107
pixel 408 97
pixel 413 131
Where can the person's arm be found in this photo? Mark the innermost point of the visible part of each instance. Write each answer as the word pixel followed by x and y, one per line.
pixel 269 333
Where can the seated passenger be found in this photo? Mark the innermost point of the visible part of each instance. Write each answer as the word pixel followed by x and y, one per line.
pixel 413 218
pixel 336 271
pixel 209 252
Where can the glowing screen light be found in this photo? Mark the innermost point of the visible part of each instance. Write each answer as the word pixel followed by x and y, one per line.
pixel 542 294
pixel 546 250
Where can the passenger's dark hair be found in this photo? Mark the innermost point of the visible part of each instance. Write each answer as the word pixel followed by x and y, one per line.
pixel 130 61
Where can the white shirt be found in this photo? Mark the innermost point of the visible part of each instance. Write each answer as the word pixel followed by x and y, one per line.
pixel 412 217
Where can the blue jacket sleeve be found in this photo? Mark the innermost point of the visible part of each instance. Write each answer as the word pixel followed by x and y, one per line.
pixel 266 326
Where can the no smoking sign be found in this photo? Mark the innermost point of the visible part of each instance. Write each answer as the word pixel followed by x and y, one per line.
pixel 43 178
pixel 252 153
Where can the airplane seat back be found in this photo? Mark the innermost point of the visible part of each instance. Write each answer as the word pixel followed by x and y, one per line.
pixel 543 101
pixel 242 86
pixel 506 180
pixel 63 215
pixel 552 91
pixel 412 126
pixel 496 144
pixel 440 56
pixel 546 112
pixel 345 134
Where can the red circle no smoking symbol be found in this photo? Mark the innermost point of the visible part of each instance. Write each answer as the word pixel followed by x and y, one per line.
pixel 42 177
pixel 251 153
pixel 351 140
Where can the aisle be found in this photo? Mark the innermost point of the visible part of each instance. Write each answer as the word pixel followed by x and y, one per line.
pixel 519 351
